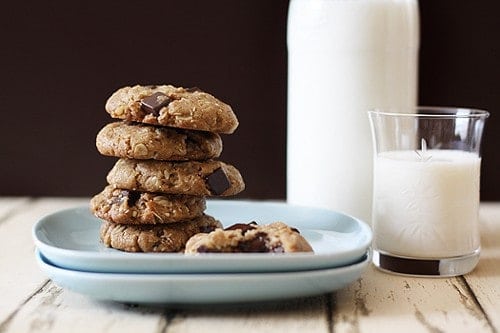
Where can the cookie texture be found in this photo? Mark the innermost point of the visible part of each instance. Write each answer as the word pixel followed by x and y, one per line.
pixel 276 237
pixel 206 178
pixel 167 105
pixel 133 140
pixel 129 207
pixel 154 238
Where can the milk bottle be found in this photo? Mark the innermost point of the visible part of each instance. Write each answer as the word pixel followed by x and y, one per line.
pixel 344 58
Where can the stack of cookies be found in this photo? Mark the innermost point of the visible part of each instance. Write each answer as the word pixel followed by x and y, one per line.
pixel 167 143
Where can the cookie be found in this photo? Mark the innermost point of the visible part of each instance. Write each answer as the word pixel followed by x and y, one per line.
pixel 132 140
pixel 166 105
pixel 154 238
pixel 207 178
pixel 276 237
pixel 129 207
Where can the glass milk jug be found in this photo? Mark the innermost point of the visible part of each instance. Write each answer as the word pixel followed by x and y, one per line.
pixel 344 58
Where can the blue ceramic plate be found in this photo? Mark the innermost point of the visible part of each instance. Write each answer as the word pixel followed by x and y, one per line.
pixel 70 239
pixel 203 288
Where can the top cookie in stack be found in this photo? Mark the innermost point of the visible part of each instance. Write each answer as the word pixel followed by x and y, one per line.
pixel 166 105
pixel 168 143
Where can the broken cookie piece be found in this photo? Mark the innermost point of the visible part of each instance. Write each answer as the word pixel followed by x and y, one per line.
pixel 276 237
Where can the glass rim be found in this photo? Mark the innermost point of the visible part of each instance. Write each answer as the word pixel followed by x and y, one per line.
pixel 443 112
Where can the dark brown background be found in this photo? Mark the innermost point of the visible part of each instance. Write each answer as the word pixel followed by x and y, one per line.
pixel 60 60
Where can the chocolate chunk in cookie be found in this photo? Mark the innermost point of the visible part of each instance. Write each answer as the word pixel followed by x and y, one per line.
pixel 244 227
pixel 276 237
pixel 131 207
pixel 154 103
pixel 218 182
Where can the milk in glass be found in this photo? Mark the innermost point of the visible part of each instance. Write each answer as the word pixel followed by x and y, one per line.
pixel 426 204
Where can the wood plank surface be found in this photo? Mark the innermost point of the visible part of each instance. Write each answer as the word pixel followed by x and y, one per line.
pixel 9 206
pixel 378 302
pixel 390 303
pixel 299 315
pixel 20 276
pixel 381 302
pixel 53 309
pixel 484 281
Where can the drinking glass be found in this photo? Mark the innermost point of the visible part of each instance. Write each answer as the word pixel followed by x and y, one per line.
pixel 426 190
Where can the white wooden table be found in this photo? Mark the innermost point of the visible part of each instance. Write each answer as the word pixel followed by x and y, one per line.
pixel 377 302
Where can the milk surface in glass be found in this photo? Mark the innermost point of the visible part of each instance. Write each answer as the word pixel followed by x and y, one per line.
pixel 426 207
pixel 345 57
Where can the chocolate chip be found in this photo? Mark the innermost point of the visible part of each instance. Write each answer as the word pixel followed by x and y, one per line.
pixel 154 103
pixel 133 197
pixel 244 227
pixel 258 244
pixel 218 182
pixel 202 249
pixel 206 249
pixel 295 230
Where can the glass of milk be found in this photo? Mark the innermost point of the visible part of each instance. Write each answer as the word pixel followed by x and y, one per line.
pixel 426 190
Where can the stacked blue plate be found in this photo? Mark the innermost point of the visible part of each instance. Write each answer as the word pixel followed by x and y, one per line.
pixel 69 252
